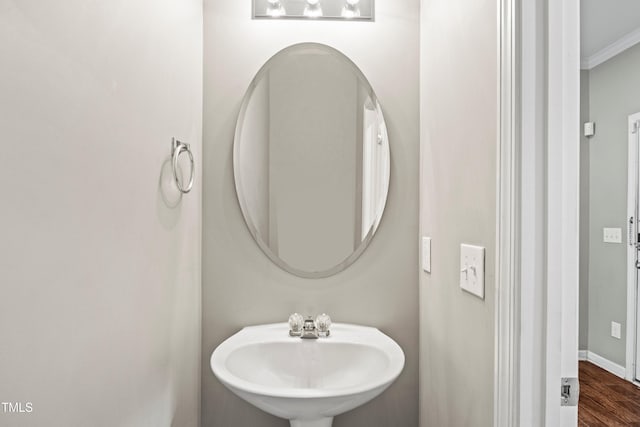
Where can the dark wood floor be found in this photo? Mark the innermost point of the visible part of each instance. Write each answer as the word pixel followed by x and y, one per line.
pixel 606 400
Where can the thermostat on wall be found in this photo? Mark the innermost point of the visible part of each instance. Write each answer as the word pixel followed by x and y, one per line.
pixel 589 129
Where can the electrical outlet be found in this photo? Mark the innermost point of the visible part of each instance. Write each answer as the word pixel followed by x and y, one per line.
pixel 615 330
pixel 612 235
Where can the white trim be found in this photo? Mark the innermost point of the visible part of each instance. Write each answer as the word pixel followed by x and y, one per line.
pixel 615 48
pixel 506 378
pixel 549 94
pixel 532 234
pixel 632 156
pixel 563 185
pixel 605 364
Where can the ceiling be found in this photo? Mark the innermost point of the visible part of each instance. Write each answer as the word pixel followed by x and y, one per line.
pixel 604 22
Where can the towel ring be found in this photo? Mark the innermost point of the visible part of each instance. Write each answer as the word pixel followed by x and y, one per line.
pixel 178 148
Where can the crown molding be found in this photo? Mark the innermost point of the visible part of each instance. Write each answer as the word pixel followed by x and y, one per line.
pixel 615 48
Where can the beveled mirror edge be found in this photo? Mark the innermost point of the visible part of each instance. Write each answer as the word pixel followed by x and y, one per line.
pixel 346 262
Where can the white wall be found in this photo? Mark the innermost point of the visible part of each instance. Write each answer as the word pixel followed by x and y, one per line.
pixel 458 144
pixel 99 278
pixel 241 286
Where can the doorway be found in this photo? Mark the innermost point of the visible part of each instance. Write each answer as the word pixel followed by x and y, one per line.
pixel 610 102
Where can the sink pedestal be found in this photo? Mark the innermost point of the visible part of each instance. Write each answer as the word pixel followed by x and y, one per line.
pixel 319 422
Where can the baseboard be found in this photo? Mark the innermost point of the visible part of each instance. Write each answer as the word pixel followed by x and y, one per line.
pixel 603 363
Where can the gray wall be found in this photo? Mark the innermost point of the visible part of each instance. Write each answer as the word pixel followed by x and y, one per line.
pixel 583 336
pixel 322 134
pixel 614 94
pixel 99 278
pixel 241 286
pixel 459 117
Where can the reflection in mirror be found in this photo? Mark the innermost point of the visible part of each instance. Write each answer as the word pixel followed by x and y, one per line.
pixel 311 160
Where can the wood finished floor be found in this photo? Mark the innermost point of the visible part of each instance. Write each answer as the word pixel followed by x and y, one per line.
pixel 606 400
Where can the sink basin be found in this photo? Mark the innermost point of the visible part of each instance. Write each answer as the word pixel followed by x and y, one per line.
pixel 307 381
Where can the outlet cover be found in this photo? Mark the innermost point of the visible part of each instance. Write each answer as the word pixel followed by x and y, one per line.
pixel 472 269
pixel 612 235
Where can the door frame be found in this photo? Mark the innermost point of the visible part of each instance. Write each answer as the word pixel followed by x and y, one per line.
pixel 632 230
pixel 506 375
pixel 538 223
pixel 563 205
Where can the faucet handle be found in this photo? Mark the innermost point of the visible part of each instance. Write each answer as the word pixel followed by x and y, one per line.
pixel 323 323
pixel 296 322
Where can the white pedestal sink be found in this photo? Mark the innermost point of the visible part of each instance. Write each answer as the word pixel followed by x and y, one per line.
pixel 307 381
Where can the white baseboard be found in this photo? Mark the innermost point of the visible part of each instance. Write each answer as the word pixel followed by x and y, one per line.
pixel 606 364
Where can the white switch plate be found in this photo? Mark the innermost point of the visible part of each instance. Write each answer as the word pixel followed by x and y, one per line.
pixel 612 235
pixel 426 254
pixel 615 330
pixel 472 269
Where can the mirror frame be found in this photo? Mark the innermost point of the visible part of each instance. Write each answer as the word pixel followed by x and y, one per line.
pixel 346 262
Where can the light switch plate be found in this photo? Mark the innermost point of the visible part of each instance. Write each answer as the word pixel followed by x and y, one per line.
pixel 426 254
pixel 616 330
pixel 472 269
pixel 612 235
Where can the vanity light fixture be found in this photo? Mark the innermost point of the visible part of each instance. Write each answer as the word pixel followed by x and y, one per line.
pixel 341 10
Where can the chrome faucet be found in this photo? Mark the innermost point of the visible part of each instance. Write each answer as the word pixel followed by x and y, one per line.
pixel 307 328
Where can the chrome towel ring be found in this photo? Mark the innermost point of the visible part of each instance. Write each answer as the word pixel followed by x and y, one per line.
pixel 177 148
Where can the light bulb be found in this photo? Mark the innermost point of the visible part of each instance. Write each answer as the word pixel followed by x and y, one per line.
pixel 351 9
pixel 313 9
pixel 275 9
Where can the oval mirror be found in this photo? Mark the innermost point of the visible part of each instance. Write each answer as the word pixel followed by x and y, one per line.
pixel 311 160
